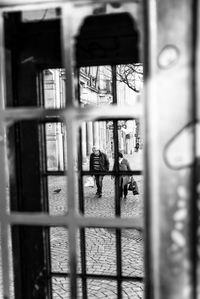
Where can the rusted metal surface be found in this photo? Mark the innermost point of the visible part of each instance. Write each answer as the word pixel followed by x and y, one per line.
pixel 174 110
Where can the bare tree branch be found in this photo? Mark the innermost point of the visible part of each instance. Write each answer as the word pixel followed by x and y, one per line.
pixel 130 74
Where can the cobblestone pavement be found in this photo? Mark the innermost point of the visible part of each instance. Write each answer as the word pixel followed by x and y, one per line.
pixel 100 242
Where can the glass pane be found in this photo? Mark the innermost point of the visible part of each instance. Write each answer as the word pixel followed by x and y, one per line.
pixel 132 290
pixel 129 83
pixel 32 39
pixel 57 198
pixel 40 15
pixel 100 251
pixel 96 134
pixel 57 195
pixel 54 88
pixel 55 146
pixel 61 288
pixel 99 204
pixel 132 253
pixel 29 259
pixel 133 204
pixel 25 187
pixel 102 288
pixel 59 248
pixel 131 140
pixel 95 86
pixel 32 150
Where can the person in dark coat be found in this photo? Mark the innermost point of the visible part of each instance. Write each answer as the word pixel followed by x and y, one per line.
pixel 98 162
pixel 124 179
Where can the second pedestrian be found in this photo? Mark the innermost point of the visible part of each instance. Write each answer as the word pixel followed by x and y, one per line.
pixel 123 179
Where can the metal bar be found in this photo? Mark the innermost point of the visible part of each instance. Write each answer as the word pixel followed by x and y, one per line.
pixel 131 172
pixel 194 177
pixel 81 204
pixel 43 219
pixel 100 276
pixel 48 258
pixel 4 224
pixel 151 242
pixel 114 83
pixel 55 173
pixel 117 183
pixel 76 113
pixel 119 262
pixel 67 51
pixel 197 154
pixel 43 145
pixel 173 89
pixel 116 143
pixel 80 155
pixel 83 262
pixel 12 5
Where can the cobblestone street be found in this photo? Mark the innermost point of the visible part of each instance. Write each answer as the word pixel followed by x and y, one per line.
pixel 100 242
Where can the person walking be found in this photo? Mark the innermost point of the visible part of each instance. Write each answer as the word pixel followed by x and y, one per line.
pixel 98 162
pixel 124 179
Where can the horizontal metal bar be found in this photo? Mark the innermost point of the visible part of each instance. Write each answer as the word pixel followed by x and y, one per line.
pixel 55 173
pixel 117 173
pixel 74 113
pixel 12 5
pixel 99 276
pixel 20 5
pixel 44 219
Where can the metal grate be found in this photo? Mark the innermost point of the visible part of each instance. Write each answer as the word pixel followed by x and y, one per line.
pixel 171 253
pixel 73 221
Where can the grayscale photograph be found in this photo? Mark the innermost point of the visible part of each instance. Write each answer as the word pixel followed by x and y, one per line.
pixel 99 149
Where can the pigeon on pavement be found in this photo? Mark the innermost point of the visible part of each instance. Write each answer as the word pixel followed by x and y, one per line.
pixel 57 190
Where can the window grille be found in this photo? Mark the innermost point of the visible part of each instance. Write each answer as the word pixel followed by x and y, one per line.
pixel 171 192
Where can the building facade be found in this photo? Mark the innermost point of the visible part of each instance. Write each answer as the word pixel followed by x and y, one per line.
pixel 95 90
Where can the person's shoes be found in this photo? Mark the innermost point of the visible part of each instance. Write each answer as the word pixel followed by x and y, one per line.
pixel 99 195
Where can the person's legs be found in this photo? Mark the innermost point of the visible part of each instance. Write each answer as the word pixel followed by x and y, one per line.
pixel 120 187
pixel 100 184
pixel 125 190
pixel 97 183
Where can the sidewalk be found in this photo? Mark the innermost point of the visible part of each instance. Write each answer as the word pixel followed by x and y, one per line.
pixel 101 242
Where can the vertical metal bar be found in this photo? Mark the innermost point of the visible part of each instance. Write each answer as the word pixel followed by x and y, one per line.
pixel 173 87
pixel 45 195
pixel 45 189
pixel 116 143
pixel 194 176
pixel 114 81
pixel 4 226
pixel 48 258
pixel 117 182
pixel 83 263
pixel 67 17
pixel 67 50
pixel 150 195
pixel 197 165
pixel 119 263
pixel 81 204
